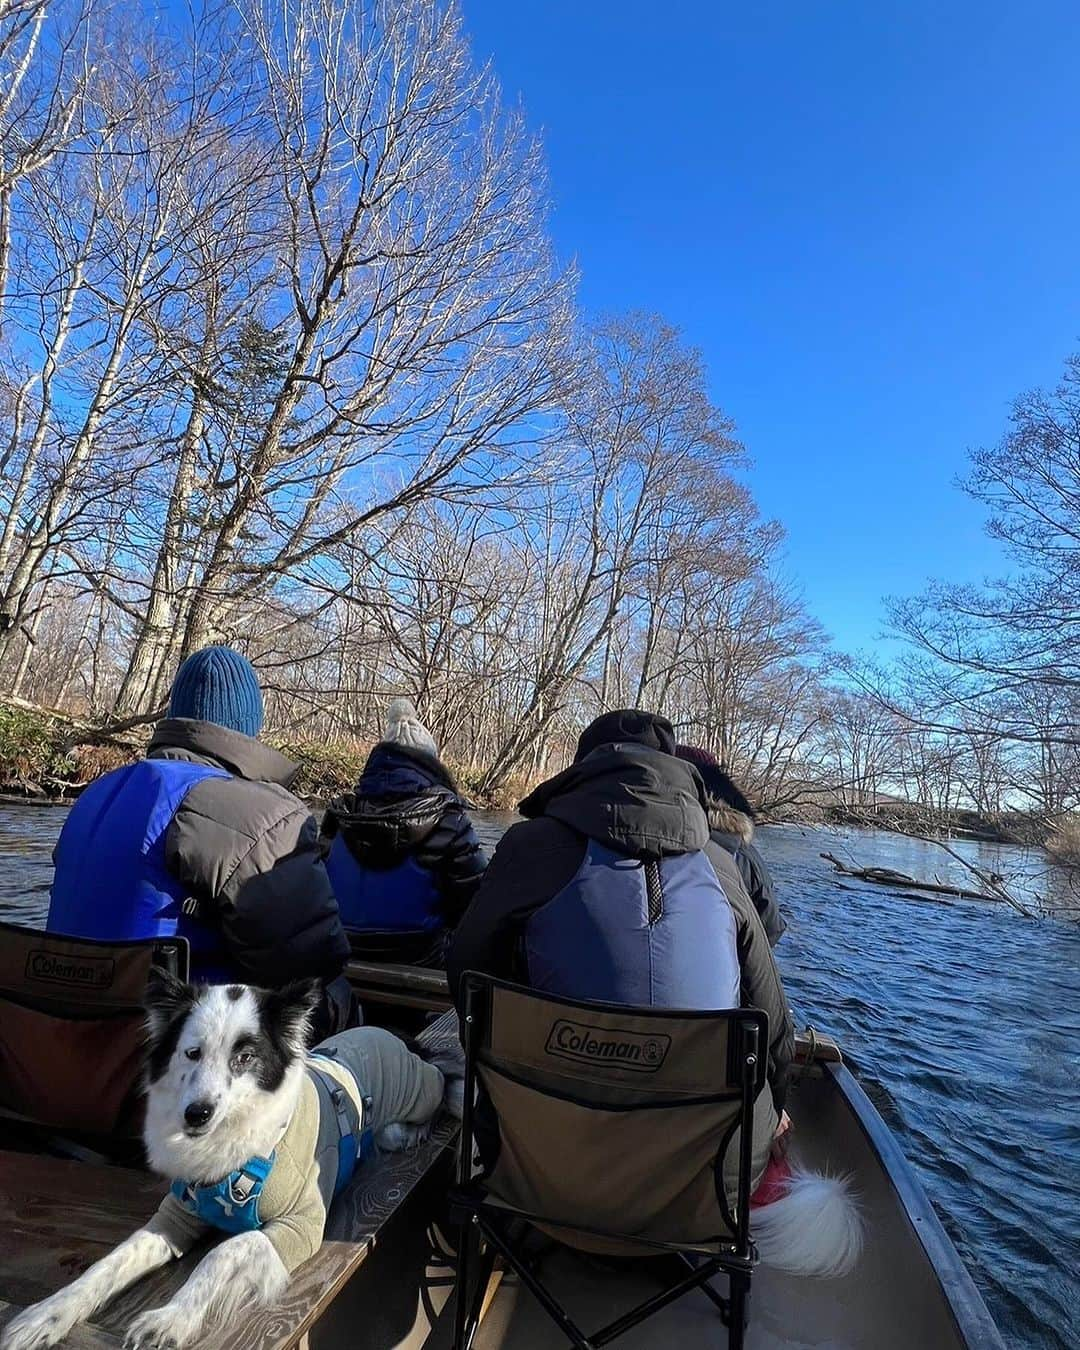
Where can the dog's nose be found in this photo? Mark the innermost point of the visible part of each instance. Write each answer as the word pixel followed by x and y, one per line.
pixel 198 1113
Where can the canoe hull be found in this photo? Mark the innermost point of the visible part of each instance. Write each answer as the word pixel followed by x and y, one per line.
pixel 909 1289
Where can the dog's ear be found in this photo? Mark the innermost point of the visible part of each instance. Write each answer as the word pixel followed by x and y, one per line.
pixel 166 999
pixel 288 1013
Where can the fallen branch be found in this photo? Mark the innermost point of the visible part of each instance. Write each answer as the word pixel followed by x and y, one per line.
pixel 992 880
pixel 81 729
pixel 884 876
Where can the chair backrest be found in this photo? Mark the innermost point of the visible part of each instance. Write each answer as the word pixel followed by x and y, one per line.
pixel 619 1122
pixel 72 1026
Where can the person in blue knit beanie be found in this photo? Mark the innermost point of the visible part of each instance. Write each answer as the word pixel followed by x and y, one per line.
pixel 203 839
pixel 219 685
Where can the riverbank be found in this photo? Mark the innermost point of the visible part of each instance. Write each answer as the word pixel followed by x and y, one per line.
pixel 47 757
pixel 1023 828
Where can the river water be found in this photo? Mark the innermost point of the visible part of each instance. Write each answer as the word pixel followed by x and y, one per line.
pixel 962 1020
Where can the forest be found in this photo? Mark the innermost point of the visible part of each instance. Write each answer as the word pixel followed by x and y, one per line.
pixel 288 360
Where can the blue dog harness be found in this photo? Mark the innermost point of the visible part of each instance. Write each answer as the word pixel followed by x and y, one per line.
pixel 232 1204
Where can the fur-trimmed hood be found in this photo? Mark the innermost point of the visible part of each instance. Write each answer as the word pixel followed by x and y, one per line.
pixel 726 820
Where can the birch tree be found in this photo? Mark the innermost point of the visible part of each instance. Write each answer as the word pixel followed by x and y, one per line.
pixel 420 315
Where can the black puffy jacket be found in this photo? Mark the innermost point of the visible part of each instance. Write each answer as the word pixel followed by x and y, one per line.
pixel 406 805
pixel 638 801
pixel 734 831
pixel 249 850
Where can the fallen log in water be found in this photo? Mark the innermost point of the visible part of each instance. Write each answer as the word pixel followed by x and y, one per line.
pixel 885 876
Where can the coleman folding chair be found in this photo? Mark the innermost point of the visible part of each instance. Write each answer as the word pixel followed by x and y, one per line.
pixel 72 1029
pixel 622 1131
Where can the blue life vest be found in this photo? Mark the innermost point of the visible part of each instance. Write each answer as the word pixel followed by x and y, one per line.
pixel 401 899
pixel 111 881
pixel 658 934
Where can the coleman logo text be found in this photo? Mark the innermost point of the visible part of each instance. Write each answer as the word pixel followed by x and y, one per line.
pixel 56 968
pixel 601 1045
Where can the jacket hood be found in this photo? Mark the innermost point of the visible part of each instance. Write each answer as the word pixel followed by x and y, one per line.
pixel 396 770
pixel 638 801
pixel 208 743
pixel 726 820
pixel 402 795
pixel 626 726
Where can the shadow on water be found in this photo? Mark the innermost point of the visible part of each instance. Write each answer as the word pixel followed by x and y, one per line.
pixel 962 1020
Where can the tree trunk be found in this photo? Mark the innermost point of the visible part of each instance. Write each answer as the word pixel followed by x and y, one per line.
pixel 153 643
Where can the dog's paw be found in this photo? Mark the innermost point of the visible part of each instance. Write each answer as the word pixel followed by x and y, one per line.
pixel 167 1328
pixel 43 1325
pixel 398 1137
pixel 454 1098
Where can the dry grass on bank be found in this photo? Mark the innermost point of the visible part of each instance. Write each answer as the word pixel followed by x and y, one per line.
pixel 329 768
pixel 1064 841
pixel 37 759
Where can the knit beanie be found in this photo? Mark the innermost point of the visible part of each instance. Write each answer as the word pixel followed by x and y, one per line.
pixel 219 685
pixel 629 724
pixel 403 727
pixel 694 754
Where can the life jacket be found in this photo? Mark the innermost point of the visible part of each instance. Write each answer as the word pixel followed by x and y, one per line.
pixel 647 934
pixel 111 881
pixel 403 898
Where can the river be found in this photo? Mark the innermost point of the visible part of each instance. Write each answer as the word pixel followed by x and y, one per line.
pixel 962 1020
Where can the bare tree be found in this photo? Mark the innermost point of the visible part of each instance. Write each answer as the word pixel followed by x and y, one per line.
pixel 418 312
pixel 46 65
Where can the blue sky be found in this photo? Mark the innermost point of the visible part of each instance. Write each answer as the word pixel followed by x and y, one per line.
pixel 866 215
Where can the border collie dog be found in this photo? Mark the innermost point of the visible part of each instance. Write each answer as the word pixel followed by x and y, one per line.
pixel 256 1137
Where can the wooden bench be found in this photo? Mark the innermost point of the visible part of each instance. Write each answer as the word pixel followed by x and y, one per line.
pixel 58 1217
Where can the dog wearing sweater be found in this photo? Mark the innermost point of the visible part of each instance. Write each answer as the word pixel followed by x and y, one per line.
pixel 256 1137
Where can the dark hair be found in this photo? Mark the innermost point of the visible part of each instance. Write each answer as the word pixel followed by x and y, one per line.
pixel 718 784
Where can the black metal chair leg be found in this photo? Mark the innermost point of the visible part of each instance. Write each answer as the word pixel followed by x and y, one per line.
pixel 468 1236
pixel 738 1309
pixel 706 1288
pixel 485 1265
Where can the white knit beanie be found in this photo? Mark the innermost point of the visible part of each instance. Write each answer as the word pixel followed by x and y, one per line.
pixel 403 727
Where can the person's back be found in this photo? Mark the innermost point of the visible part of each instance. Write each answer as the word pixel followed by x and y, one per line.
pixel 203 840
pixel 403 857
pixel 731 825
pixel 611 890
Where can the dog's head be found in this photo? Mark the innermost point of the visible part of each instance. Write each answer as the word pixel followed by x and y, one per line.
pixel 223 1072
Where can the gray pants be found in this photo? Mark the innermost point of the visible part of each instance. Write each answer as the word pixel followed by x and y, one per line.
pixel 399 1085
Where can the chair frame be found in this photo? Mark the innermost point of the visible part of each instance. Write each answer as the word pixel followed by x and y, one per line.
pixel 483 1224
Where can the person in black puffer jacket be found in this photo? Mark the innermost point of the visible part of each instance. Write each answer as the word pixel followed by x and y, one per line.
pixel 402 854
pixel 204 840
pixel 553 911
pixel 731 824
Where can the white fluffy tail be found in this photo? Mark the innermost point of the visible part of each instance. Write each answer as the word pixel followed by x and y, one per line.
pixel 814 1229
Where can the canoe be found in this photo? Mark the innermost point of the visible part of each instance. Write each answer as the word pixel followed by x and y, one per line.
pixel 910 1290
pixel 391 1287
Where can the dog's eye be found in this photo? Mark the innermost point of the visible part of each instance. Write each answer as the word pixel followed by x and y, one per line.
pixel 194 1053
pixel 244 1059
